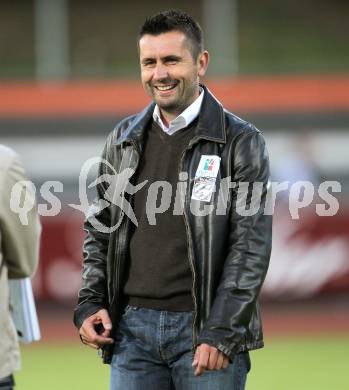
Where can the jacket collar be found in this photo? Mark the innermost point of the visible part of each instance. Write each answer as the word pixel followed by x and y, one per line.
pixel 136 130
pixel 211 125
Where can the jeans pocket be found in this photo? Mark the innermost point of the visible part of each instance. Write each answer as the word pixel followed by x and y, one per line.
pixel 127 309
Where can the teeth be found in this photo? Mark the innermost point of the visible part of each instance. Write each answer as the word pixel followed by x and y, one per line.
pixel 165 88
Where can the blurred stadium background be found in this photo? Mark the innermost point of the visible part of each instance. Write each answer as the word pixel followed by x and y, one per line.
pixel 69 71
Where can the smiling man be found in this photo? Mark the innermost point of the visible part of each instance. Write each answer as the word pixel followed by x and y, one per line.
pixel 170 69
pixel 174 304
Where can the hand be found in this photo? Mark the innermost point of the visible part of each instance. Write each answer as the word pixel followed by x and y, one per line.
pixel 209 358
pixel 89 334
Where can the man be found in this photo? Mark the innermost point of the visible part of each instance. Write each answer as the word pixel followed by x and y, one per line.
pixel 173 301
pixel 19 249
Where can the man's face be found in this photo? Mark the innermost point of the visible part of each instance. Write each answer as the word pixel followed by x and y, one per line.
pixel 169 73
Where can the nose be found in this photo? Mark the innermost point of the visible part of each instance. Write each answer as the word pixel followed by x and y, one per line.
pixel 160 72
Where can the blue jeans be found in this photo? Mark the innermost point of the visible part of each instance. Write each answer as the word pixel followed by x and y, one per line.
pixel 153 350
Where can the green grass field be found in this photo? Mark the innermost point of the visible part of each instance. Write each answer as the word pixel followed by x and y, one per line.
pixel 284 364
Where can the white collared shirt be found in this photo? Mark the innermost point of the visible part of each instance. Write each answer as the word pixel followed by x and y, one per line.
pixel 182 120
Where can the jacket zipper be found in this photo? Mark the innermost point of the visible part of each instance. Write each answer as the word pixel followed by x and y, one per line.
pixel 191 262
pixel 117 263
pixel 189 246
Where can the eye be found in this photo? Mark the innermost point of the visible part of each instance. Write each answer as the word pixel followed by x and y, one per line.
pixel 148 63
pixel 171 61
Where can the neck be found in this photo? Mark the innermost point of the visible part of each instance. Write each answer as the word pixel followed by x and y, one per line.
pixel 168 116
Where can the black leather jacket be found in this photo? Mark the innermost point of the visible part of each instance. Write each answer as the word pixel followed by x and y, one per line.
pixel 228 254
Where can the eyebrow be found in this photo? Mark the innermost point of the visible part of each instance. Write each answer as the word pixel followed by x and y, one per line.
pixel 172 58
pixel 164 59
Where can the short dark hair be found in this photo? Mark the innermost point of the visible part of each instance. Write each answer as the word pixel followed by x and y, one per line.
pixel 174 20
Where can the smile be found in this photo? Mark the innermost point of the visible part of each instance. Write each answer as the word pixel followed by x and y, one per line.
pixel 165 87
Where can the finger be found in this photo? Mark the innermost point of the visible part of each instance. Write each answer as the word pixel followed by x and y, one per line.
pixel 225 362
pixel 101 340
pixel 88 332
pixel 202 362
pixel 219 363
pixel 86 342
pixel 105 333
pixel 103 316
pixel 91 345
pixel 196 357
pixel 212 361
pixel 83 336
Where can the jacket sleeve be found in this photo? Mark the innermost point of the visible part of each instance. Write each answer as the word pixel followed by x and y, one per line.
pixel 93 294
pixel 248 250
pixel 19 241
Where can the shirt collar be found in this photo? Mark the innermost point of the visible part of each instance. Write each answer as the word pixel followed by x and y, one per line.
pixel 184 119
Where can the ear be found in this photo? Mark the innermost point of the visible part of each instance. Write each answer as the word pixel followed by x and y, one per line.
pixel 202 63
